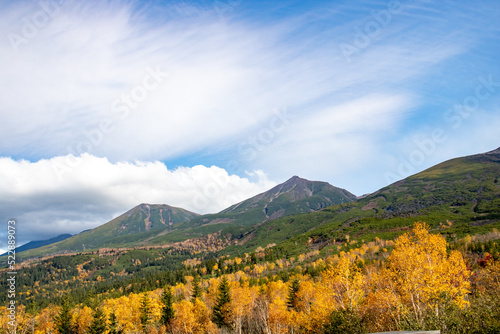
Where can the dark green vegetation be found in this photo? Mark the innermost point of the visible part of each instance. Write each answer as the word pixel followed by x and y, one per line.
pixel 457 198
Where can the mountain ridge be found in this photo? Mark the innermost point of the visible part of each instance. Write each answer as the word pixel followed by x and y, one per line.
pixel 152 224
pixel 40 243
pixel 296 189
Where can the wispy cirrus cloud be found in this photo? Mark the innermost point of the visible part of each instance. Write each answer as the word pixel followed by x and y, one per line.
pixel 74 72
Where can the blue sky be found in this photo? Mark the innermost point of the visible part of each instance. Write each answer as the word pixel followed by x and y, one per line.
pixel 201 104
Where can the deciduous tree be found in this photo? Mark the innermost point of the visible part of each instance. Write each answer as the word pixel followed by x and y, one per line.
pixel 425 275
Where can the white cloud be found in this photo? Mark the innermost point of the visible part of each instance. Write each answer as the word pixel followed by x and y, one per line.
pixel 47 200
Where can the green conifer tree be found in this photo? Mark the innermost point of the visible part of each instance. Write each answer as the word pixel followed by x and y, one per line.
pixel 98 325
pixel 167 313
pixel 113 325
pixel 145 311
pixel 221 316
pixel 292 293
pixel 62 320
pixel 196 289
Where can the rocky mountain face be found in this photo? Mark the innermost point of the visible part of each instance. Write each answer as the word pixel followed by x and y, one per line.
pixel 296 195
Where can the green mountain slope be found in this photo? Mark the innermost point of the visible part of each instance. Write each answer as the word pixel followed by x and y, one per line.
pixel 294 196
pixel 459 196
pixel 138 224
pixel 467 185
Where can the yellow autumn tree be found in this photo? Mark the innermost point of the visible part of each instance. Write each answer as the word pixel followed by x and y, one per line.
pixel 192 318
pixel 243 298
pixel 342 286
pixel 45 320
pixel 279 316
pixel 383 306
pixel 424 274
pixel 184 321
pixel 82 318
pixel 345 282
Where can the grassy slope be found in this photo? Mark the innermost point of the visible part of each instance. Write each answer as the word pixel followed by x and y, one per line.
pixel 127 230
pixel 464 192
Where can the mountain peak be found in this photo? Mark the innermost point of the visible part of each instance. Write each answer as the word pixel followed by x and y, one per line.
pixel 295 195
pixel 295 179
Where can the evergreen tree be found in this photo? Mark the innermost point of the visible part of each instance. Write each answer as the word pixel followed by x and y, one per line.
pixel 145 311
pixel 98 325
pixel 196 289
pixel 167 313
pixel 113 324
pixel 292 293
pixel 221 316
pixel 63 318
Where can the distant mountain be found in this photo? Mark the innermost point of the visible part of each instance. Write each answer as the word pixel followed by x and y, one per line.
pixel 139 223
pixel 294 196
pixel 40 243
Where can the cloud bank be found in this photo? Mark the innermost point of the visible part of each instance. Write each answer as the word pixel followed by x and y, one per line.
pixel 47 203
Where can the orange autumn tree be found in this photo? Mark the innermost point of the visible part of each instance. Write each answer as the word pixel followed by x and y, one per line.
pixel 341 287
pixel 424 275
